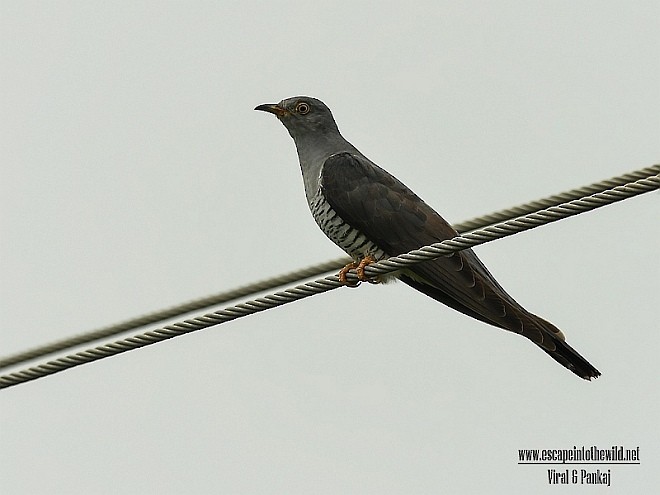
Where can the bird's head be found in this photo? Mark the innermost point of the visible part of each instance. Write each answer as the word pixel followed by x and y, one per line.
pixel 302 116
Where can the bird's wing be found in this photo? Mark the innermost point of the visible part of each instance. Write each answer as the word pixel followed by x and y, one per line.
pixel 389 214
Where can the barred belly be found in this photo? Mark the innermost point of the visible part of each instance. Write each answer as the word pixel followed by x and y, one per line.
pixel 342 234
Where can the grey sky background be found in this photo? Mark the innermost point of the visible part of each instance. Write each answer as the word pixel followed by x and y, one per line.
pixel 135 176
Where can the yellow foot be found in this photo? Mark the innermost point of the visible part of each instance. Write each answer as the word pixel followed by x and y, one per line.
pixel 342 274
pixel 359 270
pixel 367 260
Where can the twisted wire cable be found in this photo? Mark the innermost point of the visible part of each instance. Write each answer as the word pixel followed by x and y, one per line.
pixel 524 209
pixel 164 314
pixel 319 286
pixel 311 271
pixel 510 227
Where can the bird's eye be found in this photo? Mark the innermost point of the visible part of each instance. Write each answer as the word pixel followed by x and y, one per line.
pixel 302 108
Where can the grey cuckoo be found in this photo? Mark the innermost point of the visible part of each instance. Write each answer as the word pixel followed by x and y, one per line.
pixel 372 215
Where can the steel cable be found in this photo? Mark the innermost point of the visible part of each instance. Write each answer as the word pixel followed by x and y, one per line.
pixel 311 271
pixel 446 247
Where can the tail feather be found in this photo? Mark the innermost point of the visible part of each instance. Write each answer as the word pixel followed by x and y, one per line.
pixel 518 320
pixel 568 357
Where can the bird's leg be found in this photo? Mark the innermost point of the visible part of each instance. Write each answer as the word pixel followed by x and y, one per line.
pixel 367 260
pixel 342 274
pixel 359 270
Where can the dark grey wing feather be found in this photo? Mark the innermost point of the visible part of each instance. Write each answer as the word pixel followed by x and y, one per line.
pixel 390 215
pixel 393 217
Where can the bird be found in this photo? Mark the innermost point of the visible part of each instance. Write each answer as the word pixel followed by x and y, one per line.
pixel 372 215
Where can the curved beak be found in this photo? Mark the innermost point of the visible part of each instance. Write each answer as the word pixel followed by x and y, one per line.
pixel 273 108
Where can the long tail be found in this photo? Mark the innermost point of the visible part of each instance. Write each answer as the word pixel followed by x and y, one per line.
pixel 554 344
pixel 568 357
pixel 507 314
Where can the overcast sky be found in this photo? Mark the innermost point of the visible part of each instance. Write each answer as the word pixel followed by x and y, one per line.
pixel 135 176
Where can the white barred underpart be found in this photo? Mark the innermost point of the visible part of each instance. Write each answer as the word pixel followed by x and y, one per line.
pixel 339 232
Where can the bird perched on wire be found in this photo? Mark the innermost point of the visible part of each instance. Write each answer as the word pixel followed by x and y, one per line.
pixel 372 215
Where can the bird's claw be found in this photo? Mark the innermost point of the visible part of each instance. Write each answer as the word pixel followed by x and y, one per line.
pixel 342 275
pixel 359 270
pixel 367 260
